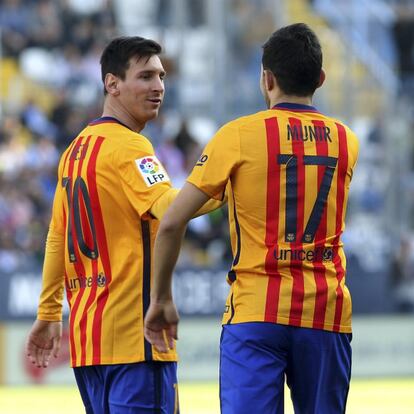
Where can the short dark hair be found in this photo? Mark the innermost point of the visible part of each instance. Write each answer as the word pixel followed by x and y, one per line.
pixel 117 54
pixel 294 55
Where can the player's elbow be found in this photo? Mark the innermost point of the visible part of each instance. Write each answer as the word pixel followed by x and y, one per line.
pixel 171 225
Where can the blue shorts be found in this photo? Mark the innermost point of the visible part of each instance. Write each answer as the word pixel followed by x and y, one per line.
pixel 255 358
pixel 144 387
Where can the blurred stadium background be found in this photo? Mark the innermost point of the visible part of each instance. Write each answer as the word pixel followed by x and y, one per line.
pixel 50 87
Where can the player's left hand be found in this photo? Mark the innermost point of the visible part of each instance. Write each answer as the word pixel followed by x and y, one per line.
pixel 161 322
pixel 43 340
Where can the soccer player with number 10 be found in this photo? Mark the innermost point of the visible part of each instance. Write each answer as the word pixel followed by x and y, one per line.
pixel 110 193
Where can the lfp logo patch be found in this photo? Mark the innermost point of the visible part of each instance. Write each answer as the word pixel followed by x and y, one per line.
pixel 148 166
pixel 151 170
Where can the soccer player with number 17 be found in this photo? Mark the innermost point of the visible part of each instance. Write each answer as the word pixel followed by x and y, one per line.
pixel 288 171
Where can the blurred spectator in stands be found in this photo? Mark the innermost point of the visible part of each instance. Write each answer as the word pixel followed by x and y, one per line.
pixel 15 19
pixel 402 276
pixel 46 29
pixel 87 7
pixel 59 116
pixel 41 155
pixel 9 255
pixel 188 145
pixel 404 38
pixel 12 148
pixel 376 132
pixel 28 161
pixel 245 40
pixel 195 12
pixel 36 121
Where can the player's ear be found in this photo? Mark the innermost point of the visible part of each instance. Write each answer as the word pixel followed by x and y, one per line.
pixel 321 78
pixel 269 80
pixel 112 84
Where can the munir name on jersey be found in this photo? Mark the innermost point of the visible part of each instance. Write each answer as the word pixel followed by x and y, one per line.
pixel 308 133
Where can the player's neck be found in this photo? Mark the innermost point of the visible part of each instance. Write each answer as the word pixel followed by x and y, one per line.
pixel 122 116
pixel 302 100
pixel 277 96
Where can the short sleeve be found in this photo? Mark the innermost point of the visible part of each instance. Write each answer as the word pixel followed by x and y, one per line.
pixel 143 177
pixel 217 162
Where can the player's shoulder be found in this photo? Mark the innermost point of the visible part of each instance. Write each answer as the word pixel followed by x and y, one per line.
pixel 250 119
pixel 127 144
pixel 246 121
pixel 118 136
pixel 134 142
pixel 350 134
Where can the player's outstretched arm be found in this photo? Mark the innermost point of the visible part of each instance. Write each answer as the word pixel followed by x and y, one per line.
pixel 162 318
pixel 43 340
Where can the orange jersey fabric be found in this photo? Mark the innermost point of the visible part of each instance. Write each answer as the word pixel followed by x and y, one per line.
pixel 289 170
pixel 108 179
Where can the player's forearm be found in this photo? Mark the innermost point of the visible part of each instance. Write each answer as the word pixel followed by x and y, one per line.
pixel 169 238
pixel 166 251
pixel 51 297
pixel 210 206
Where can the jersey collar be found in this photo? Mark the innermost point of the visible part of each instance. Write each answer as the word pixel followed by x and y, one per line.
pixel 295 107
pixel 108 120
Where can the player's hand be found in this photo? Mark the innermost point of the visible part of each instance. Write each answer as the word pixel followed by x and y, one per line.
pixel 43 340
pixel 161 323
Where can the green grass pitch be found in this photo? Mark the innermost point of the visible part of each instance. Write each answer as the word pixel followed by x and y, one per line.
pixel 370 396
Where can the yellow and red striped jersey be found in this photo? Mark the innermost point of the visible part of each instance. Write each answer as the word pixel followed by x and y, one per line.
pixel 289 170
pixel 108 179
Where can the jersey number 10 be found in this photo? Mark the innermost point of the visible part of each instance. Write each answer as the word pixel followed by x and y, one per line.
pixel 75 198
